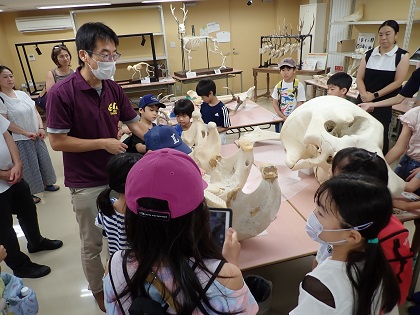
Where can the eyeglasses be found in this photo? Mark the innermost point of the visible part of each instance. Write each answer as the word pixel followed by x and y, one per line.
pixel 107 57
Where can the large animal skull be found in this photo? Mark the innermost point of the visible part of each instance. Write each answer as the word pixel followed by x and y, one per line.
pixel 321 127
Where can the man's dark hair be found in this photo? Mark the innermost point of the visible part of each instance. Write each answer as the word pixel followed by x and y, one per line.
pixel 340 79
pixel 205 86
pixel 89 33
pixel 184 106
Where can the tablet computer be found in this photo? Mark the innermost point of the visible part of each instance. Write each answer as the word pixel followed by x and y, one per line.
pixel 220 222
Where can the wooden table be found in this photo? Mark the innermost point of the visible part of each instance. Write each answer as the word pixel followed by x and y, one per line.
pixel 223 75
pixel 284 239
pixel 245 118
pixel 249 116
pixel 163 84
pixel 276 70
pixel 318 85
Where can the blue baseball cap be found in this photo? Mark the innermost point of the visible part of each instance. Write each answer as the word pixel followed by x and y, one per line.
pixel 164 136
pixel 149 100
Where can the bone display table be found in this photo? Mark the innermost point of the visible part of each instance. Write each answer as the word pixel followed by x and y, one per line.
pixel 285 239
pixel 224 75
pixel 275 70
pixel 249 116
pixel 165 84
pixel 245 118
pixel 317 85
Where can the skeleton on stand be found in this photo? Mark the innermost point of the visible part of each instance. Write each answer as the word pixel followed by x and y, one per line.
pixel 192 43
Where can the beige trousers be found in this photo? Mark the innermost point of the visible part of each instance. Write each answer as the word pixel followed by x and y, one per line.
pixel 84 206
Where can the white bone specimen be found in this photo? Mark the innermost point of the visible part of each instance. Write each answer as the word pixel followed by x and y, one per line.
pixel 181 25
pixel 318 129
pixel 356 16
pixel 197 100
pixel 142 66
pixel 240 98
pixel 227 176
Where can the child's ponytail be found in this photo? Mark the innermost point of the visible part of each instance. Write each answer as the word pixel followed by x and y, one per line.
pixel 359 200
pixel 104 204
pixel 368 271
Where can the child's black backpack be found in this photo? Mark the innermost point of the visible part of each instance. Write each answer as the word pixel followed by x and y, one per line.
pixel 142 305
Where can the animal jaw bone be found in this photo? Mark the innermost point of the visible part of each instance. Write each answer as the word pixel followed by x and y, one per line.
pixel 318 129
pixel 226 176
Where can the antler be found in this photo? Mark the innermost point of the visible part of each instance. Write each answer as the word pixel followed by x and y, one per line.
pixel 185 13
pixel 173 14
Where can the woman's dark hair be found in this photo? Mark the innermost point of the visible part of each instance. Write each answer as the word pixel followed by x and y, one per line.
pixel 2 68
pixel 359 199
pixel 392 24
pixel 175 243
pixel 56 50
pixel 89 33
pixel 184 106
pixel 357 160
pixel 117 169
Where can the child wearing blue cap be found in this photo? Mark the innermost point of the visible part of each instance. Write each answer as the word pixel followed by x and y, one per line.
pixel 164 136
pixel 149 109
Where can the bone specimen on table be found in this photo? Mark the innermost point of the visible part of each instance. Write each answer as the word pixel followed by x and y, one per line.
pixel 318 129
pixel 240 98
pixel 226 177
pixel 193 96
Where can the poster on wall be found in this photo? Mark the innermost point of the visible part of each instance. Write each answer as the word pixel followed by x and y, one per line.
pixel 366 41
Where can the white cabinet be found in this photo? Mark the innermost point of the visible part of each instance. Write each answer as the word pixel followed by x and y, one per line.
pixel 317 13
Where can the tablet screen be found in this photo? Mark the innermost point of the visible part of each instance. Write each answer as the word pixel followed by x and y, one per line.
pixel 220 222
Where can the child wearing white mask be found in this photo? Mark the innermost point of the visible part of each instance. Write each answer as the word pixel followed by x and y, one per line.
pixel 351 210
pixel 352 160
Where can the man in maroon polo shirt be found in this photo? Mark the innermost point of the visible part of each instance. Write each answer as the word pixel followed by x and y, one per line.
pixel 83 112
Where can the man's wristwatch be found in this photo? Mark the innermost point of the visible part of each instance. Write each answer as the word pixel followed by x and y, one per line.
pixel 376 94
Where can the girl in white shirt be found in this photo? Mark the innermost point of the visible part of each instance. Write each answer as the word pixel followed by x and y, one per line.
pixel 351 210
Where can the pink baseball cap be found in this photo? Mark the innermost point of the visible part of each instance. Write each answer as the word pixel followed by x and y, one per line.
pixel 165 174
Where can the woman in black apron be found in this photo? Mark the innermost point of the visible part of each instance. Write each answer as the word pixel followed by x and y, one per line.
pixel 381 74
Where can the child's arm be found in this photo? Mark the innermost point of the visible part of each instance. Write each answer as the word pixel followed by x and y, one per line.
pixel 3 253
pixel 406 205
pixel 299 103
pixel 401 145
pixel 141 148
pixel 277 109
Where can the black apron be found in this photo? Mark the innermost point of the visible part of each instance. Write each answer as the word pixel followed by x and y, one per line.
pixel 376 80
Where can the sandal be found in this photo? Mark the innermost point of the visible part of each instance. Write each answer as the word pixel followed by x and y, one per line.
pixel 36 199
pixel 52 188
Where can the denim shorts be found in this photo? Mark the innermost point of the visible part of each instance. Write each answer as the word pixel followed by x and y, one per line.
pixel 405 166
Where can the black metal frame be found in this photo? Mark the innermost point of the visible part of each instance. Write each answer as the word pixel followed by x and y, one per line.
pixel 300 38
pixel 62 41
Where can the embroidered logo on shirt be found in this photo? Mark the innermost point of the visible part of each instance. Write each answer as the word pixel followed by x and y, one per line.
pixel 217 114
pixel 113 108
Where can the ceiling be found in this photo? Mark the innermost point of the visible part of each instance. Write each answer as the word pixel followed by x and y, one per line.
pixel 24 5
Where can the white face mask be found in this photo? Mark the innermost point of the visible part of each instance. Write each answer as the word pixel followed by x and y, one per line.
pixel 105 71
pixel 314 228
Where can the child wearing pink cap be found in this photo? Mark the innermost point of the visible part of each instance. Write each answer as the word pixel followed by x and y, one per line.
pixel 168 230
